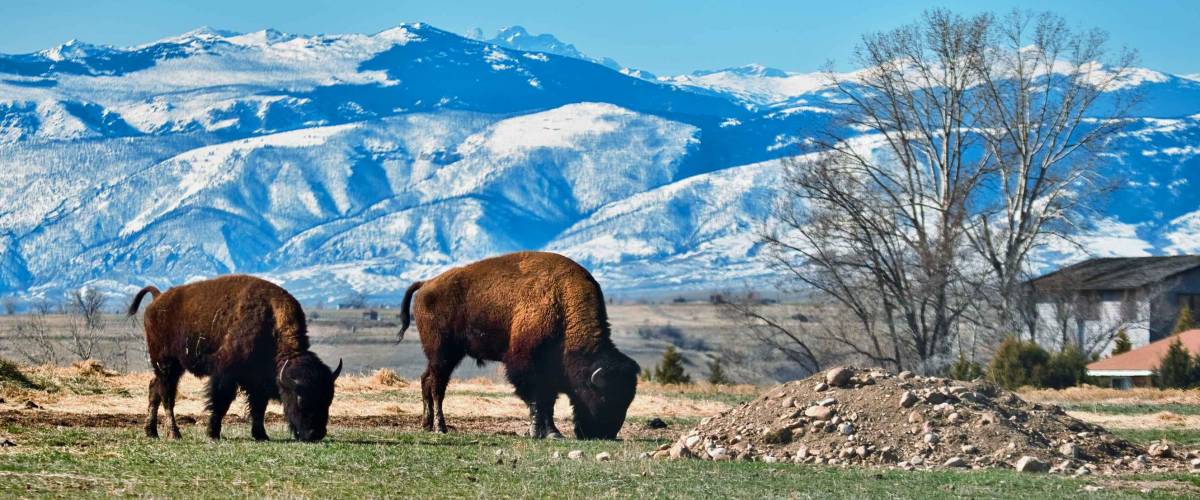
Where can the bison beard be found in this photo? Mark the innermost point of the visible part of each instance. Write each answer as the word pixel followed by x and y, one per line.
pixel 239 331
pixel 543 316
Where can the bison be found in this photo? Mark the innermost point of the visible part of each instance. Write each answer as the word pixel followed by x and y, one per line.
pixel 239 331
pixel 540 314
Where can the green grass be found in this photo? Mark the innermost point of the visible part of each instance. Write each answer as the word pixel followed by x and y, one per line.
pixel 1134 408
pixel 1182 437
pixel 383 462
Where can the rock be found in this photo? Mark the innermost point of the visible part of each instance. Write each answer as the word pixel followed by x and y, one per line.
pixel 1031 465
pixel 662 455
pixel 718 454
pixel 575 455
pixel 955 462
pixel 30 405
pixel 691 441
pixel 603 456
pixel 1083 471
pixel 954 418
pixel 770 459
pixel 907 399
pixel 1069 450
pixel 916 460
pixel 914 417
pixel 645 455
pixel 970 449
pixel 935 398
pixel 7 443
pixel 819 412
pixel 905 375
pixel 827 402
pixel 846 428
pixel 1161 450
pixel 656 423
pixel 778 436
pixel 932 438
pixel 821 387
pixel 862 451
pixel 1195 464
pixel 838 377
pixel 988 418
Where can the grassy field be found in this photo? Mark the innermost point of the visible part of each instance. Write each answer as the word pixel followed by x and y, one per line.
pixel 83 438
pixel 378 462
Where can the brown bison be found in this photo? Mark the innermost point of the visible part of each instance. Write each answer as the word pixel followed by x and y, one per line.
pixel 543 316
pixel 239 331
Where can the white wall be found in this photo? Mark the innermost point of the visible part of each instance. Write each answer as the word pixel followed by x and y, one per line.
pixel 1049 331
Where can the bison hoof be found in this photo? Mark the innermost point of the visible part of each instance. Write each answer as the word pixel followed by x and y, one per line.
pixel 175 434
pixel 261 437
pixel 555 435
pixel 152 432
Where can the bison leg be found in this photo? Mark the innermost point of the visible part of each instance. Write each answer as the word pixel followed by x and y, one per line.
pixel 162 391
pixel 442 362
pixel 257 403
pixel 427 400
pixel 545 403
pixel 152 418
pixel 221 393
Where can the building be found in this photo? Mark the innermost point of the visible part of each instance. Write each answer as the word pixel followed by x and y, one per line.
pixel 1134 368
pixel 1087 303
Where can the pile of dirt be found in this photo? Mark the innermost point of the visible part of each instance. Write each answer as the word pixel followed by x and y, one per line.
pixel 874 418
pixel 11 374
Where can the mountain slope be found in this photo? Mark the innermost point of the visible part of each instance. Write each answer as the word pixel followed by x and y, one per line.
pixel 343 163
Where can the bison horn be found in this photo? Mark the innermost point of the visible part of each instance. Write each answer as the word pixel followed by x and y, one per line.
pixel 338 371
pixel 597 382
pixel 279 378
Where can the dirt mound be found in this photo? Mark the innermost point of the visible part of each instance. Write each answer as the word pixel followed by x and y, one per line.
pixel 92 368
pixel 874 418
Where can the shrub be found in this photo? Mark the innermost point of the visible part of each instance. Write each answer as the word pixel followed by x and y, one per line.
pixel 670 369
pixel 1018 363
pixel 964 369
pixel 716 373
pixel 1176 368
pixel 1121 343
pixel 1067 368
pixel 1184 321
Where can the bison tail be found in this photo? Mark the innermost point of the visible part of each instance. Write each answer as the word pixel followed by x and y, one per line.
pixel 137 299
pixel 408 294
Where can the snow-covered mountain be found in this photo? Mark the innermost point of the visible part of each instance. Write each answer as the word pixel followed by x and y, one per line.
pixel 342 163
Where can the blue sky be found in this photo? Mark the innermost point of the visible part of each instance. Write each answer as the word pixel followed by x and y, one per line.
pixel 666 37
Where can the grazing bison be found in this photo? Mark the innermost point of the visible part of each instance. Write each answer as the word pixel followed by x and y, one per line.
pixel 239 331
pixel 543 316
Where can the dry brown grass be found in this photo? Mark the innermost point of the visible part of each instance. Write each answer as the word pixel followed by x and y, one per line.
pixel 1092 394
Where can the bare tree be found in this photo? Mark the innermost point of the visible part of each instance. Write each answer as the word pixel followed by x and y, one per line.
pixel 877 222
pixel 1040 86
pixel 775 334
pixel 10 306
pixel 964 144
pixel 89 304
pixel 32 339
pixel 85 322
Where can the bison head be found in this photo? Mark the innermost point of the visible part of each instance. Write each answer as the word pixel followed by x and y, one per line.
pixel 306 388
pixel 603 395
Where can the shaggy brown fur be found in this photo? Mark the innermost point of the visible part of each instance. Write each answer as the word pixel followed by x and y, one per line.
pixel 543 316
pixel 240 331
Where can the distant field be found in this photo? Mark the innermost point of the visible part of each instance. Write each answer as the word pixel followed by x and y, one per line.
pixel 367 345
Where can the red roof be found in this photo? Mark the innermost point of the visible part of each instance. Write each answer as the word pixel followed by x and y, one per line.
pixel 1148 356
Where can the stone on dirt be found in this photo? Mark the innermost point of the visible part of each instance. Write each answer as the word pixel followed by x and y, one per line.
pixel 603 456
pixel 1031 464
pixel 575 455
pixel 838 377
